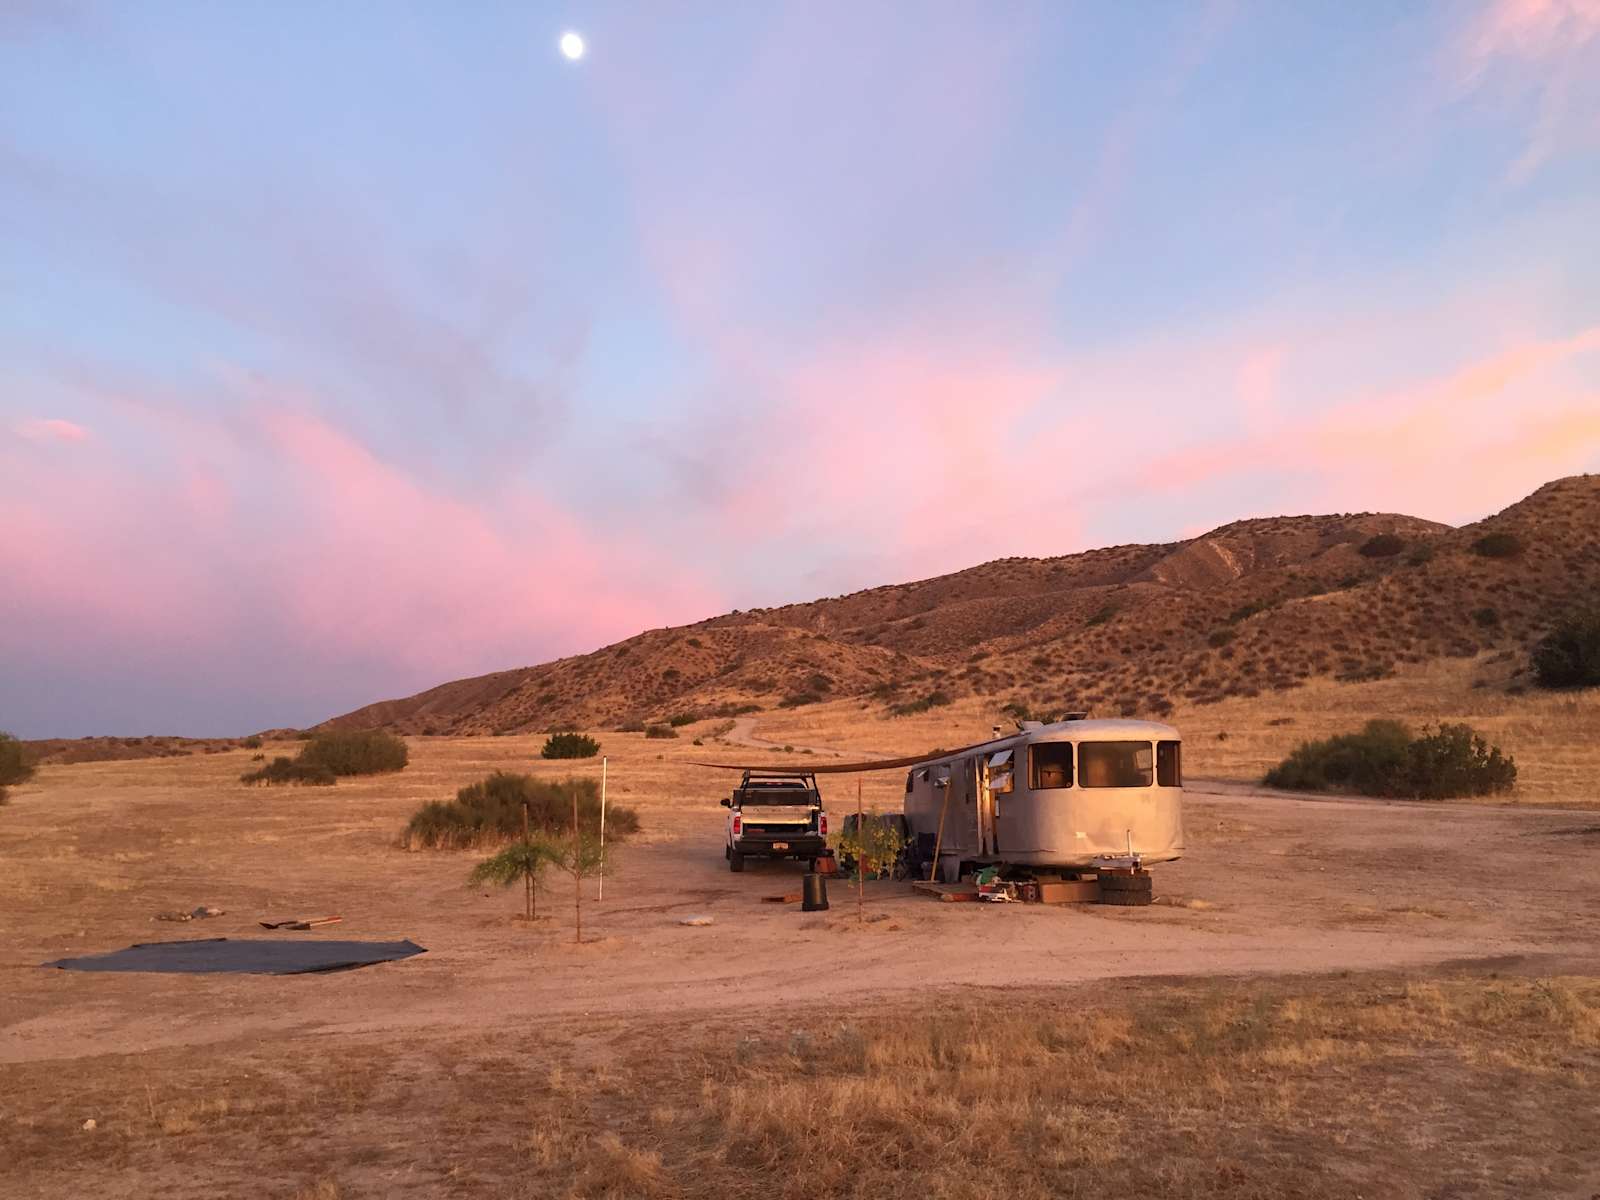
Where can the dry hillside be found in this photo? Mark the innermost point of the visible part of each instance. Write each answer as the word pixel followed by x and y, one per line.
pixel 1251 607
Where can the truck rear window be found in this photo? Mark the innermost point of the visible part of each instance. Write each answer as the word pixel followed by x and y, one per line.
pixel 774 796
pixel 1115 764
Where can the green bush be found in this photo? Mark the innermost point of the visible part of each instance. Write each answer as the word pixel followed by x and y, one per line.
pixel 935 699
pixel 1420 555
pixel 290 770
pixel 253 742
pixel 1101 615
pixel 489 812
pixel 1219 638
pixel 1569 655
pixel 679 720
pixel 1485 617
pixel 569 745
pixel 631 727
pixel 799 699
pixel 660 731
pixel 1382 545
pixel 1498 545
pixel 14 766
pixel 356 751
pixel 1385 760
pixel 1245 611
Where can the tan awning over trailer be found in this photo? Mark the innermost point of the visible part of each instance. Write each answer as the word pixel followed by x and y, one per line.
pixel 827 768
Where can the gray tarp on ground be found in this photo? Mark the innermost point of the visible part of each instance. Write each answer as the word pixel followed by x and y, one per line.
pixel 250 956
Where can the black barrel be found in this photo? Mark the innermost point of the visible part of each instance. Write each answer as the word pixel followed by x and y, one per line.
pixel 816 894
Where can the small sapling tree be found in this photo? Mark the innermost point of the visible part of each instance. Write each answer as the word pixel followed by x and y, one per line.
pixel 875 845
pixel 580 857
pixel 523 861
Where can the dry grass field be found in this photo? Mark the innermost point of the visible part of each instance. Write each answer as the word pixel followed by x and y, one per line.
pixel 1331 998
pixel 1554 736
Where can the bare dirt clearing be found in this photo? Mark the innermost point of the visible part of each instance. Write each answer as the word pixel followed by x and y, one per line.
pixel 91 852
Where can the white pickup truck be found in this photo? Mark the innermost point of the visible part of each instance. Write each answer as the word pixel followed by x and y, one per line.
pixel 775 814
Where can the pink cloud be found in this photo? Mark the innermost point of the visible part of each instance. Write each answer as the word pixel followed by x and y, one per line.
pixel 277 536
pixel 1538 54
pixel 51 429
pixel 1439 445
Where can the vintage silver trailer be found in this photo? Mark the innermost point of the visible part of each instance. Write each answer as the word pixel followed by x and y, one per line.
pixel 1068 796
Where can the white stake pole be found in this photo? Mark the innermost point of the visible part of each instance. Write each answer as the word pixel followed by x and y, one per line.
pixel 604 759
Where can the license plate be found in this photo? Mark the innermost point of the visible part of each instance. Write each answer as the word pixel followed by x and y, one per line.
pixel 780 845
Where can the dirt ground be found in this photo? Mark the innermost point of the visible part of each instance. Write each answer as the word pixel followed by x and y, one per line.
pixel 1271 885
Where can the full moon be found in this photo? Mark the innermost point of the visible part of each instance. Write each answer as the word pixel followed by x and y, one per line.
pixel 572 45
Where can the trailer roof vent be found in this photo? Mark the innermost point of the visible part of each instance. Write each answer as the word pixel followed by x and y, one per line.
pixel 1026 726
pixel 1075 716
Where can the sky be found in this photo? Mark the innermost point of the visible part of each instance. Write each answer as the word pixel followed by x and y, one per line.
pixel 348 349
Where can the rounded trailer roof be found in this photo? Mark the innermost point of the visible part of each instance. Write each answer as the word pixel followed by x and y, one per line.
pixel 1109 729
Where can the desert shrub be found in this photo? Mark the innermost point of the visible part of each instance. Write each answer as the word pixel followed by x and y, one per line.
pixel 631 727
pixel 1454 760
pixel 1382 545
pixel 1245 611
pixel 1498 545
pixel 253 742
pixel 568 744
pixel 489 812
pixel 14 766
pixel 1219 638
pixel 695 642
pixel 818 682
pixel 678 720
pixel 1101 615
pixel 1420 555
pixel 1569 655
pixel 1485 617
pixel 799 699
pixel 730 709
pixel 290 770
pixel 660 731
pixel 356 751
pixel 1383 759
pixel 935 699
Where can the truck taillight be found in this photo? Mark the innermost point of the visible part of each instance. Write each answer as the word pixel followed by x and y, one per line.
pixel 738 822
pixel 822 823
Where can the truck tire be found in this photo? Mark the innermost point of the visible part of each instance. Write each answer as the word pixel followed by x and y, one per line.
pixel 1126 899
pixel 735 861
pixel 1126 883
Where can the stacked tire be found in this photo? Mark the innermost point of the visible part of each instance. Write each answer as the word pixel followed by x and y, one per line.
pixel 1129 889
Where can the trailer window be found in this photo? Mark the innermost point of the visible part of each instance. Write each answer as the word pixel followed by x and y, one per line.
pixel 1169 764
pixel 1050 765
pixel 1115 764
pixel 1000 772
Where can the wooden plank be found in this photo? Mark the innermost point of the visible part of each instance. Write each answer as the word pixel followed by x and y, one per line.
pixel 948 892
